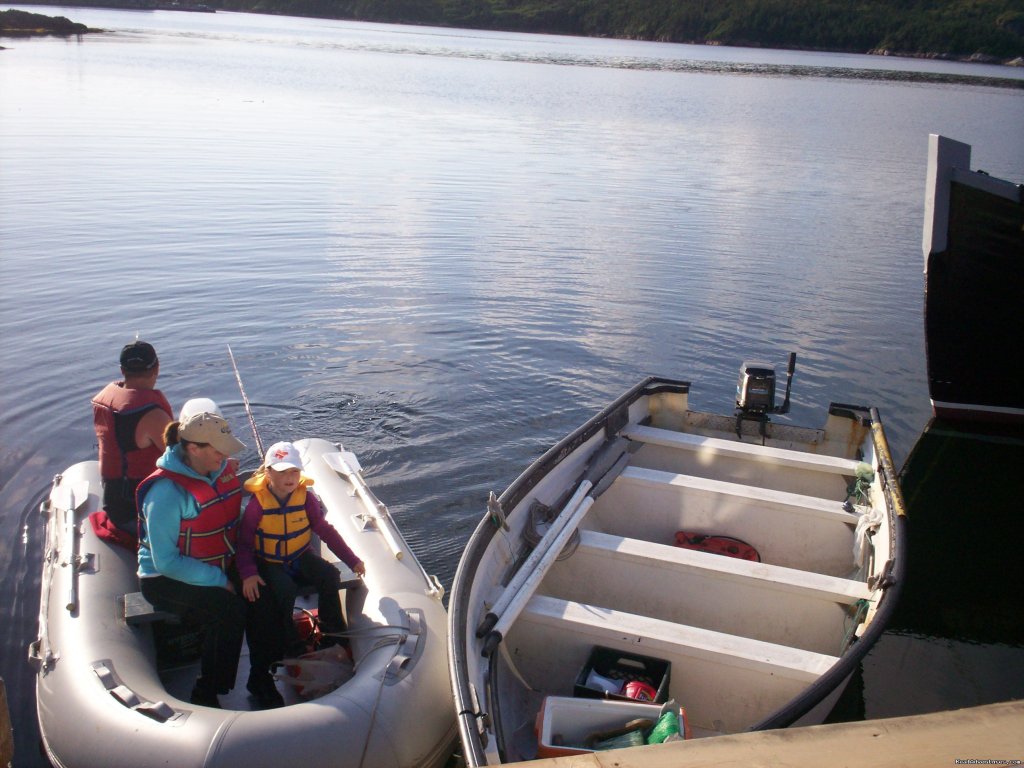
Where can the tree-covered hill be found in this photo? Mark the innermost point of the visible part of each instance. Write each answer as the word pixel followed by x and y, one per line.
pixel 958 28
pixel 15 23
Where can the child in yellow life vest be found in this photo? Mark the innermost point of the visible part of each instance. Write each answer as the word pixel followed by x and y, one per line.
pixel 274 543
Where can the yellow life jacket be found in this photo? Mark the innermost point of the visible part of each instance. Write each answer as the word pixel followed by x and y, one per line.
pixel 283 533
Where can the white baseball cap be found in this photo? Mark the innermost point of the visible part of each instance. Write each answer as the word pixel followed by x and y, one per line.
pixel 281 456
pixel 198 405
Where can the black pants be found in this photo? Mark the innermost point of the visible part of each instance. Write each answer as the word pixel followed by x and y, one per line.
pixel 119 504
pixel 312 570
pixel 223 617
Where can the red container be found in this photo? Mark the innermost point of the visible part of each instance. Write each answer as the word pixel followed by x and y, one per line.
pixel 639 691
pixel 624 667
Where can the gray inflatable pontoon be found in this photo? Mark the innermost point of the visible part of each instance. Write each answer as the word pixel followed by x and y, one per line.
pixel 107 696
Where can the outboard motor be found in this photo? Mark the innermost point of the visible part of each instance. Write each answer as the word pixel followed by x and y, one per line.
pixel 755 393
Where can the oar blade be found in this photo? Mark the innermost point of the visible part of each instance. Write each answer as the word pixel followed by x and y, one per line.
pixel 343 462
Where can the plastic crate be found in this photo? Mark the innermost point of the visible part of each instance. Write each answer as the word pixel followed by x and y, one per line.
pixel 626 667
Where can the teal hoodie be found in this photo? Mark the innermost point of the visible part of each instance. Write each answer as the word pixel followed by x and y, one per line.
pixel 166 504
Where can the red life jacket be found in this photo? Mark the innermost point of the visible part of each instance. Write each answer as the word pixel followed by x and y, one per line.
pixel 116 412
pixel 717 545
pixel 211 535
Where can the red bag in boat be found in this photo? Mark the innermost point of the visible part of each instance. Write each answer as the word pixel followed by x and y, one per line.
pixel 307 624
pixel 105 530
pixel 717 545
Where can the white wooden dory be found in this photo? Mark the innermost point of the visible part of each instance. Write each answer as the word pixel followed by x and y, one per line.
pixel 751 645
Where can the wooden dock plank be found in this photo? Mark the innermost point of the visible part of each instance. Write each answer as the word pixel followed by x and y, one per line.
pixel 989 734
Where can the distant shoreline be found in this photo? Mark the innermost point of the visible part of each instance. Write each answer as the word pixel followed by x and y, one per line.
pixel 42 25
pixel 974 58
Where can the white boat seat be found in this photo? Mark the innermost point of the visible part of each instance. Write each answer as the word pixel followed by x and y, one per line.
pixel 811 506
pixel 715 446
pixel 666 639
pixel 677 560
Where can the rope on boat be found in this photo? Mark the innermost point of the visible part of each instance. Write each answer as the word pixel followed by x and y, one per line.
pixel 542 514
pixel 854 618
pixel 370 631
pixel 496 512
pixel 859 489
pixel 398 639
pixel 515 670
pixel 496 515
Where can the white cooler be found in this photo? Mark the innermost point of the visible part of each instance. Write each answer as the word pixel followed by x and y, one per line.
pixel 572 720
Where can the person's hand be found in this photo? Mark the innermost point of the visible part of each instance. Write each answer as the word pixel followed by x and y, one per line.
pixel 251 588
pixel 359 569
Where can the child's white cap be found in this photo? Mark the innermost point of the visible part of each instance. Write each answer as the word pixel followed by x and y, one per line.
pixel 281 456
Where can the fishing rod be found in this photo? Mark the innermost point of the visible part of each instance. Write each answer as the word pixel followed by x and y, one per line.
pixel 245 399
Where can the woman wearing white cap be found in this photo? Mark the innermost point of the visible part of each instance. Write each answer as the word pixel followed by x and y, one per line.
pixel 189 509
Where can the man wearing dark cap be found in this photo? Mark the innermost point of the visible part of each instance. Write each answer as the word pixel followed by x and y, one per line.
pixel 130 416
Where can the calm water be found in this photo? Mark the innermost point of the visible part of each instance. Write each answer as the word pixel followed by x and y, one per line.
pixel 447 248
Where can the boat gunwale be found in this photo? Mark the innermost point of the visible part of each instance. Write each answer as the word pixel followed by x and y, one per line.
pixel 890 582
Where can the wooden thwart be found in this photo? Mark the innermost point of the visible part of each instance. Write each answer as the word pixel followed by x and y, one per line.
pixel 677 560
pixel 747 451
pixel 812 506
pixel 136 610
pixel 662 638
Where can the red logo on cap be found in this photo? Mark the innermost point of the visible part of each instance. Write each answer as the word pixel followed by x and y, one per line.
pixel 280 453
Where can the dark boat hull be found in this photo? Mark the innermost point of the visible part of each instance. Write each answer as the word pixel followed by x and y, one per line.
pixel 974 283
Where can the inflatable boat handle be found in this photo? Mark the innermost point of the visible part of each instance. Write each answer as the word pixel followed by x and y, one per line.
pixel 346 464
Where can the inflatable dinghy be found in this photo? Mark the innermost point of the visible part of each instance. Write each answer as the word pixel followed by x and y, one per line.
pixel 113 681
